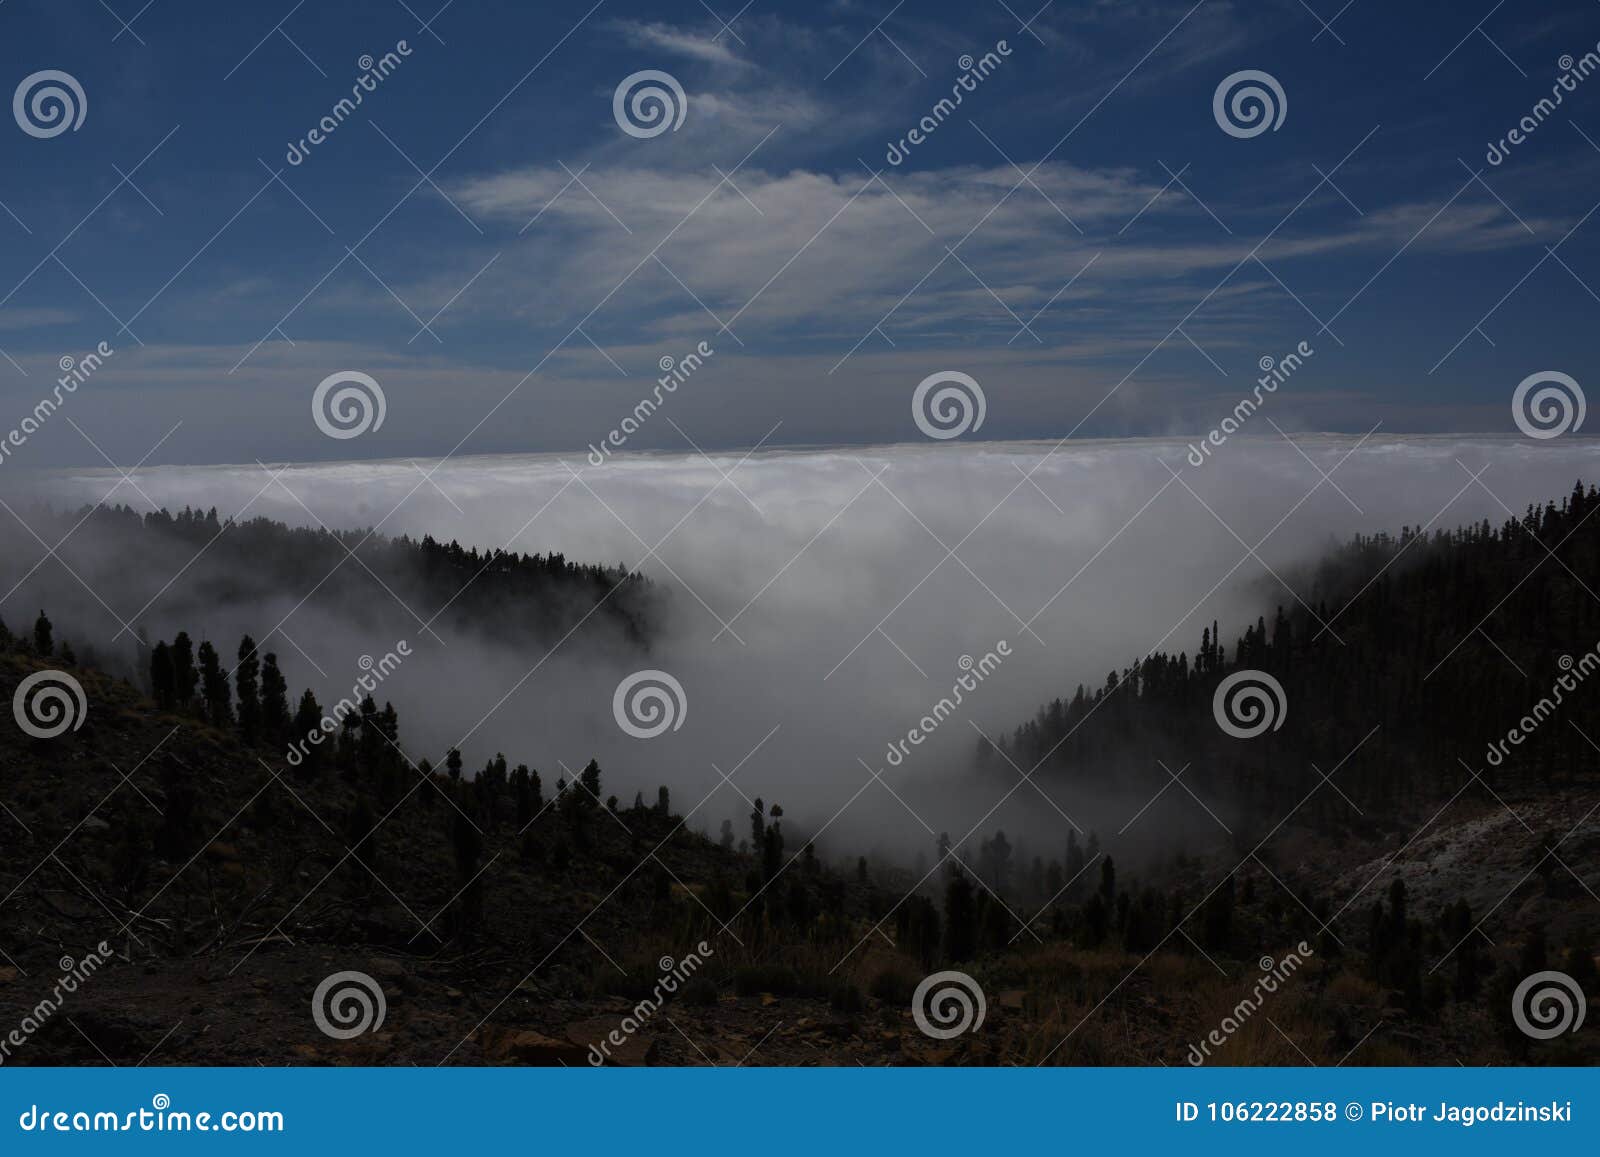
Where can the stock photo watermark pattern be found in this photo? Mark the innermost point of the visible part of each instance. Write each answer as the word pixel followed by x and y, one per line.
pixel 348 404
pixel 1248 103
pixel 49 103
pixel 74 973
pixel 1274 974
pixel 649 703
pixel 1548 404
pixel 49 703
pixel 648 103
pixel 674 975
pixel 948 404
pixel 948 1004
pixel 348 1004
pixel 1249 703
pixel 1548 1004
pixel 973 73
pixel 617 403
pixel 373 73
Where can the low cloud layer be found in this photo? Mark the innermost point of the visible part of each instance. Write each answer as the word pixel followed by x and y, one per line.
pixel 823 601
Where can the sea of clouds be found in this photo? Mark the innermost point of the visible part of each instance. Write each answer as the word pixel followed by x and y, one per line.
pixel 822 601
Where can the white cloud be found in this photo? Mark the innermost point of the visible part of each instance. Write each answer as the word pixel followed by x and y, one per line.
pixel 817 557
pixel 710 49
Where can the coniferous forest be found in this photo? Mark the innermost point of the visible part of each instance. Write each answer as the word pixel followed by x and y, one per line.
pixel 1384 836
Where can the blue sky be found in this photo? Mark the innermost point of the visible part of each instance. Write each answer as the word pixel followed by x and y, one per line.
pixel 556 259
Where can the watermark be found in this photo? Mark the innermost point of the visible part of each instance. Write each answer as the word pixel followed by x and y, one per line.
pixel 948 404
pixel 1248 103
pixel 976 672
pixel 1274 372
pixel 347 1004
pixel 350 410
pixel 49 103
pixel 74 372
pixel 1273 974
pixel 1247 703
pixel 159 1118
pixel 648 103
pixel 649 703
pixel 1573 72
pixel 674 372
pixel 73 973
pixel 973 73
pixel 377 671
pixel 1587 664
pixel 1548 1004
pixel 373 73
pixel 48 704
pixel 1553 410
pixel 947 1004
pixel 673 974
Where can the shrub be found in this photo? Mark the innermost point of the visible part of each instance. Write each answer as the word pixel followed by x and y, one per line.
pixel 699 992
pixel 894 986
pixel 754 979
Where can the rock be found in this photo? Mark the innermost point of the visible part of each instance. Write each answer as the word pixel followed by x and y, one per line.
pixel 768 1000
pixel 1012 998
pixel 95 824
pixel 634 1050
pixel 7 975
pixel 385 968
pixel 525 1046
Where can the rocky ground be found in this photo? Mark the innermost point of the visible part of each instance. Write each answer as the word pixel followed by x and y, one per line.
pixel 217 945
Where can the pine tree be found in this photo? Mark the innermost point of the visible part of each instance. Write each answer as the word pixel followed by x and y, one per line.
pixel 307 719
pixel 960 920
pixel 42 644
pixel 590 778
pixel 161 676
pixel 246 680
pixel 274 699
pixel 772 851
pixel 184 677
pixel 214 686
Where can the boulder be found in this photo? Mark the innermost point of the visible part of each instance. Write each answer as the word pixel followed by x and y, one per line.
pixel 527 1047
pixel 634 1050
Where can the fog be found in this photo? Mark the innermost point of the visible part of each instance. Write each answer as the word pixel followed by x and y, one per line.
pixel 816 611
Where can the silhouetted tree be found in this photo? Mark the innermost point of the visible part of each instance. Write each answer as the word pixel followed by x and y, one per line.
pixel 590 778
pixel 184 676
pixel 308 718
pixel 274 699
pixel 214 686
pixel 161 678
pixel 960 920
pixel 246 681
